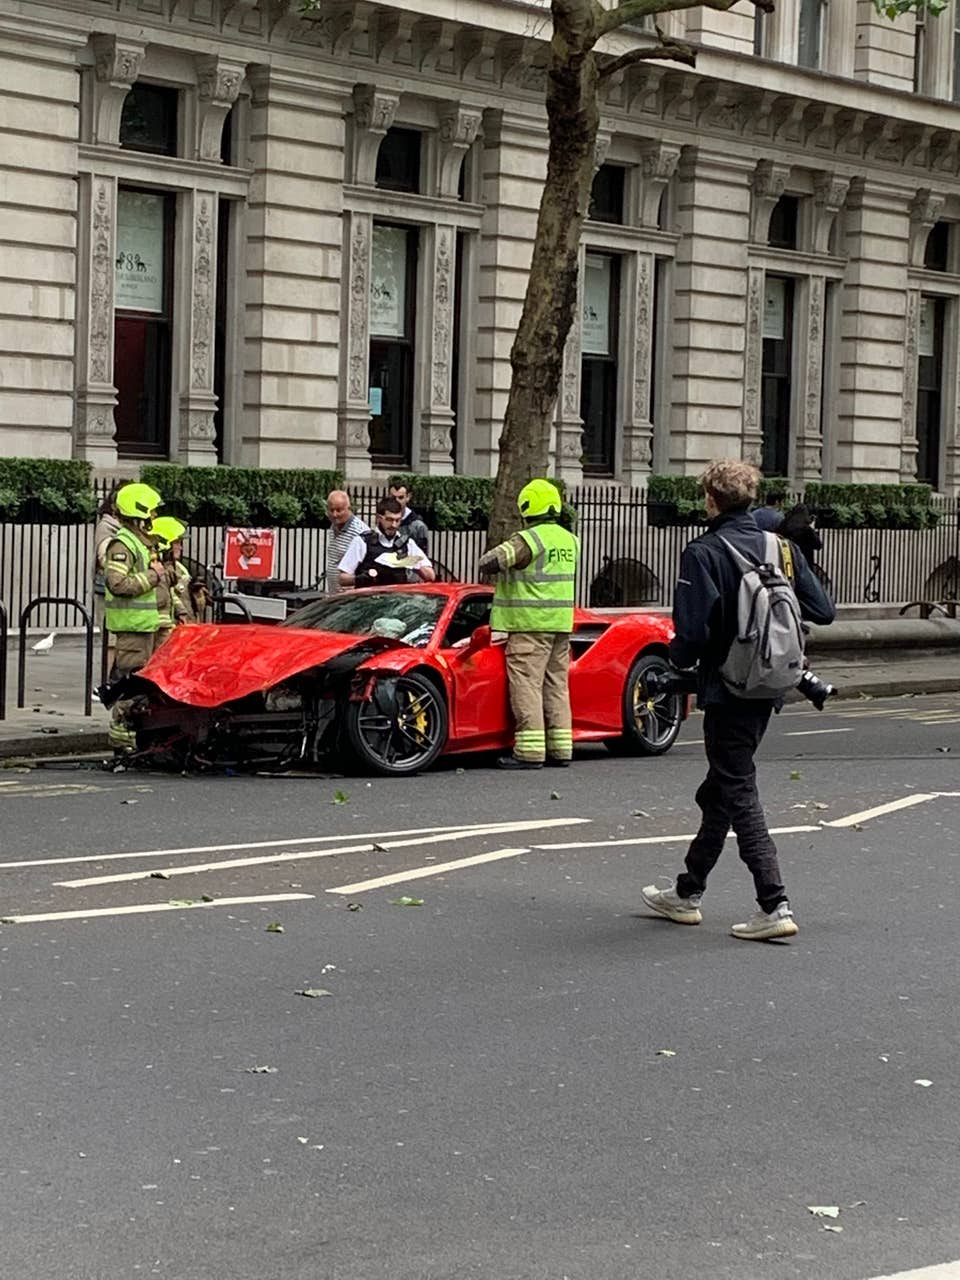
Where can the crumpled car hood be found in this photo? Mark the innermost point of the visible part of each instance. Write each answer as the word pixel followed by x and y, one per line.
pixel 207 665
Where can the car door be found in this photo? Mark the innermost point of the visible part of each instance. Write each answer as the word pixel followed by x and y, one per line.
pixel 480 711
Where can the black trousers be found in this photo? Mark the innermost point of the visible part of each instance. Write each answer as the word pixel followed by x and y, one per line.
pixel 728 798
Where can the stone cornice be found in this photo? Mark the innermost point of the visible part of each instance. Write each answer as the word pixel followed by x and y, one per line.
pixel 179 174
pixel 796 262
pixel 411 208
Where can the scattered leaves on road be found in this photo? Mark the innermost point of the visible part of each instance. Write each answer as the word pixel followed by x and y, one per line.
pixel 159 875
pixel 795 775
pixel 924 1084
pixel 260 1071
pixel 406 902
pixel 354 906
pixel 554 795
pixel 379 848
pixel 207 897
pixel 666 1053
pixel 313 993
pixel 129 801
pixel 829 1227
pixel 184 902
pixel 824 1210
pixel 340 797
pixel 274 927
pixel 640 813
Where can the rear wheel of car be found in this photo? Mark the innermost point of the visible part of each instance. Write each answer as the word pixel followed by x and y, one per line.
pixel 650 724
pixel 401 729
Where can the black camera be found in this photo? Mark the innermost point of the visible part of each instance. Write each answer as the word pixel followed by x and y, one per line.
pixel 657 684
pixel 815 690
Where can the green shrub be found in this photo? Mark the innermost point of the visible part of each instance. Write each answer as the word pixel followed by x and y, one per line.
pixel 242 495
pixel 46 490
pixel 872 506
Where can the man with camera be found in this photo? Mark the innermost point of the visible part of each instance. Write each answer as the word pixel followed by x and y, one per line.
pixel 742 674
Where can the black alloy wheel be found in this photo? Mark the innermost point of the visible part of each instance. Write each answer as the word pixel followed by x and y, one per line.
pixel 650 724
pixel 401 729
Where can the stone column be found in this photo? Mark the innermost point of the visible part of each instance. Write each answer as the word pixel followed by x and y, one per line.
pixel 870 425
pixel 196 445
pixel 752 449
pixel 96 396
pixel 808 450
pixel 118 64
pixel 568 428
pixel 639 319
pixel 514 169
pixel 295 278
pixel 353 410
pixel 840 38
pixel 910 445
pixel 437 417
pixel 708 410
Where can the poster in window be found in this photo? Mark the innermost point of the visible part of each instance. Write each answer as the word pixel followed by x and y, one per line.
pixel 140 246
pixel 597 281
pixel 775 309
pixel 928 323
pixel 388 282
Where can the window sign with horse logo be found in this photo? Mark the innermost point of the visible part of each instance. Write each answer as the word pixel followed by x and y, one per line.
pixel 140 244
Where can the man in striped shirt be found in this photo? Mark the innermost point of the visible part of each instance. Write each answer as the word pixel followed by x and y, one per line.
pixel 344 527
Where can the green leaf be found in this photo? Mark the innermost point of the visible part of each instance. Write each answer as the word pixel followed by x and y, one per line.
pixel 406 902
pixel 795 775
pixel 274 927
pixel 340 797
pixel 314 993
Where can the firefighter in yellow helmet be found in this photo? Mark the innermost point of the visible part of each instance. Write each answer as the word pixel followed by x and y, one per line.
pixel 133 573
pixel 533 603
pixel 173 597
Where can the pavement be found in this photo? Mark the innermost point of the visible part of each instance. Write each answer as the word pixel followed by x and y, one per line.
pixel 503 1067
pixel 52 721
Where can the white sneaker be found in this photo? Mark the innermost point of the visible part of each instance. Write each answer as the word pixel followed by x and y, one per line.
pixel 778 923
pixel 667 902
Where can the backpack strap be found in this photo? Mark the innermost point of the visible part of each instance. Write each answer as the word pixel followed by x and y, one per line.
pixel 786 558
pixel 743 563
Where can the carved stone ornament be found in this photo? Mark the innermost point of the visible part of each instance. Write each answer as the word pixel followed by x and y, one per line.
pixel 643 342
pixel 219 81
pixel 203 283
pixel 911 371
pixel 200 426
pixel 809 445
pixel 101 282
pixel 658 164
pixel 374 113
pixel 601 150
pixel 752 434
pixel 118 61
pixel 768 184
pixel 358 354
pixel 925 210
pixel 442 318
pixel 459 127
pixel 830 192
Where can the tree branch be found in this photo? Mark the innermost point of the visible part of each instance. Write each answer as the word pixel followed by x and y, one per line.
pixel 632 10
pixel 667 50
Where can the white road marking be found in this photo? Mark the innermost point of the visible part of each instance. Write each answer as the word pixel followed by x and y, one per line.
pixel 299 855
pixel 260 844
pixel 146 907
pixel 679 839
pixel 892 806
pixel 422 873
pixel 946 1271
pixel 809 733
pixel 689 742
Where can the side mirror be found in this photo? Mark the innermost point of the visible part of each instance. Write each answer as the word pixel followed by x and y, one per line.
pixel 479 640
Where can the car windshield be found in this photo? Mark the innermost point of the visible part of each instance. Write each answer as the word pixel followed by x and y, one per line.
pixel 401 615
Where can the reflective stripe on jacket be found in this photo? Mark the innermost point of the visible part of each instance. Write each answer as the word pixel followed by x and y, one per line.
pixel 539 597
pixel 132 613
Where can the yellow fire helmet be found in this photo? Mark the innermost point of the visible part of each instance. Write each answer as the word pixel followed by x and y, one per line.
pixel 167 530
pixel 539 498
pixel 137 501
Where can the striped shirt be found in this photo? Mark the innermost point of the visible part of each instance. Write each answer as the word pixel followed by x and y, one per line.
pixel 338 541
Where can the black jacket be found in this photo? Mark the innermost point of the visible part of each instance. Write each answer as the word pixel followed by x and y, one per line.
pixel 705 599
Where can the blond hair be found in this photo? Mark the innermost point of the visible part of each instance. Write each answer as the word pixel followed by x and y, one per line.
pixel 731 483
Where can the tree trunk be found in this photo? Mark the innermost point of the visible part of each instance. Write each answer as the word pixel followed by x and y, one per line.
pixel 536 360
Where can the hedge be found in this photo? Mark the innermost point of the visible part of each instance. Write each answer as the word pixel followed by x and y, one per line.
pixel 872 506
pixel 243 495
pixel 46 490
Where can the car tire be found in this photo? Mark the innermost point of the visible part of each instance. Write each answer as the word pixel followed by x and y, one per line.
pixel 650 726
pixel 401 729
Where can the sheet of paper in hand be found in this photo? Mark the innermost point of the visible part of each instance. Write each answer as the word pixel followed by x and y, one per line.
pixel 394 561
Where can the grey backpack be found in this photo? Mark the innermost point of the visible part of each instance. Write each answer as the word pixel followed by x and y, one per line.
pixel 766 657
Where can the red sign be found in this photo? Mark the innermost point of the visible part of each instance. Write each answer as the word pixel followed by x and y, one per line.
pixel 250 553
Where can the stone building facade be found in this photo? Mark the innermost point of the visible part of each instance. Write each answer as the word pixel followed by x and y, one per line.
pixel 232 233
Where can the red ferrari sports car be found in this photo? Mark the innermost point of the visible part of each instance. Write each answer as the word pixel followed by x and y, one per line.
pixel 389 678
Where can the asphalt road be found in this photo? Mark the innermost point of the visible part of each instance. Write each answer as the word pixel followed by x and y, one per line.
pixel 523 1078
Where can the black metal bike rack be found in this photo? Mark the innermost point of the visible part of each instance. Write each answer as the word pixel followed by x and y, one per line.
pixel 84 612
pixel 4 633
